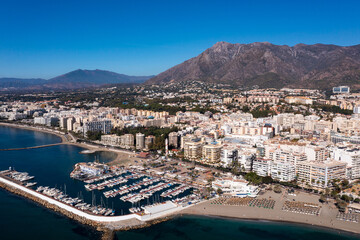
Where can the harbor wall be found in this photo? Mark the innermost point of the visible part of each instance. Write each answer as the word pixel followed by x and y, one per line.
pixel 29 192
pixel 101 223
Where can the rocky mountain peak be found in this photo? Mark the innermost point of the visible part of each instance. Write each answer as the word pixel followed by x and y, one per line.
pixel 269 65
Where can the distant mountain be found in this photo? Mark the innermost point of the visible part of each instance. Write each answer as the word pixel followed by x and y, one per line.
pixel 20 82
pixel 72 80
pixel 268 65
pixel 90 78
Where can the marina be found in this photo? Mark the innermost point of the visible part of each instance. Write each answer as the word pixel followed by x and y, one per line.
pixel 176 191
pixel 21 177
pixel 130 185
pixel 112 182
pixel 93 215
pixel 76 202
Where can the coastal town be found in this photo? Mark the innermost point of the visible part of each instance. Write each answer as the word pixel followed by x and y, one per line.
pixel 204 149
pixel 180 120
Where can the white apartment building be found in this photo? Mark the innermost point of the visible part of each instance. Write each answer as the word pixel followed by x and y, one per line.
pixel 351 156
pixel 281 171
pixel 284 172
pixel 70 124
pixel 317 153
pixel 320 174
pixel 103 126
pixel 140 141
pixel 262 166
pixel 112 140
pixel 127 141
pixel 63 122
pixel 229 154
pixel 283 156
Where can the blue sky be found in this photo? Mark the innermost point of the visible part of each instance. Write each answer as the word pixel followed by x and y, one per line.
pixel 47 38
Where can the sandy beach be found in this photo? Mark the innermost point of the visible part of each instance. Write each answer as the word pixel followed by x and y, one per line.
pixel 327 217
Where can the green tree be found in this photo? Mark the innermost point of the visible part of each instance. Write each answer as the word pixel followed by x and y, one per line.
pixel 277 189
pixel 346 198
pixel 267 180
pixel 253 178
pixel 323 198
pixel 93 135
pixel 341 205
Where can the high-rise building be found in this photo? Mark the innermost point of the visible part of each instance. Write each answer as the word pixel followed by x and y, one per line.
pixel 127 141
pixel 283 171
pixel 103 126
pixel 320 174
pixel 173 139
pixel 140 141
pixel 262 166
pixel 63 122
pixel 229 154
pixel 351 156
pixel 149 141
pixel 112 140
pixel 193 150
pixel 211 153
pixel 69 124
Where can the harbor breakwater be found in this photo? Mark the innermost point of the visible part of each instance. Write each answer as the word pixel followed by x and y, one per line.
pixel 34 147
pixel 107 225
pixel 50 206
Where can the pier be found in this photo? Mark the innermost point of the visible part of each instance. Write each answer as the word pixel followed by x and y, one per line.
pixel 33 147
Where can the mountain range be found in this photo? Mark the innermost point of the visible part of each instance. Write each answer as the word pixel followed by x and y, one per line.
pixel 318 66
pixel 72 80
pixel 264 64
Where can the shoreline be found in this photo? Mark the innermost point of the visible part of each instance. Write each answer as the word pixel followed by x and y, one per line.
pixel 303 224
pixel 324 220
pixel 32 128
pixel 119 153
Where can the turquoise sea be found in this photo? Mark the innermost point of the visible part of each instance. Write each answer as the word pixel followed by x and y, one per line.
pixel 23 219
